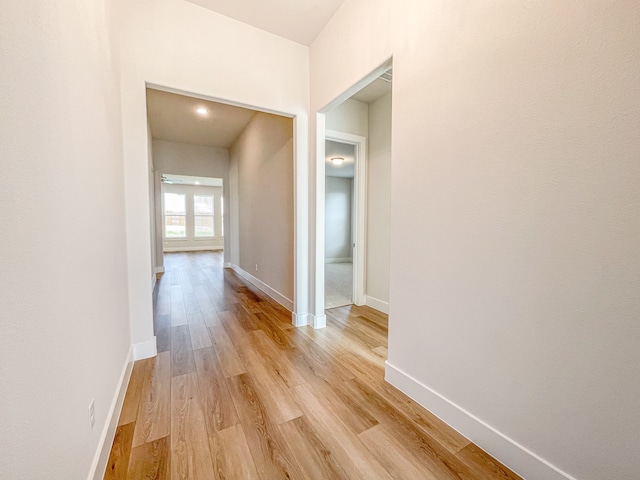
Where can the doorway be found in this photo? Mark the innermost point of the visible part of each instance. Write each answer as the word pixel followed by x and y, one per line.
pixel 361 118
pixel 345 218
pixel 206 155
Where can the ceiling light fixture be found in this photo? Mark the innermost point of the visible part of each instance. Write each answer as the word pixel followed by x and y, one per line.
pixel 202 111
pixel 197 182
pixel 337 161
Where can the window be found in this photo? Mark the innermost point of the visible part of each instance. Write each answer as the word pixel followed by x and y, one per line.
pixel 203 216
pixel 175 216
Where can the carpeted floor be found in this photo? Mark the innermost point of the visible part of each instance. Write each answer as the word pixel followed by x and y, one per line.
pixel 338 284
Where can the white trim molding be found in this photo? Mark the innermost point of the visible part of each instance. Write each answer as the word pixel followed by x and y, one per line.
pixel 160 269
pixel 317 259
pixel 101 458
pixel 190 249
pixel 227 265
pixel 338 260
pixel 277 296
pixel 515 456
pixel 300 319
pixel 144 350
pixel 318 321
pixel 379 305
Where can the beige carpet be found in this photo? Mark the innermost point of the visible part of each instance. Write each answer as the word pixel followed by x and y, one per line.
pixel 338 284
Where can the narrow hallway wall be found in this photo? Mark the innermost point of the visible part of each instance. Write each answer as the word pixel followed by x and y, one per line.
pixel 63 268
pixel 263 159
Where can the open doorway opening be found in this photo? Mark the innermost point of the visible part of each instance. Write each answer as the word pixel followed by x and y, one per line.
pixel 222 178
pixel 357 133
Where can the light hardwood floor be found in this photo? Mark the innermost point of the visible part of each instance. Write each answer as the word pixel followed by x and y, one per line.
pixel 236 392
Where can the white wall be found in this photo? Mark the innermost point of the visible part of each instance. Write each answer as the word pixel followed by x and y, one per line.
pixel 351 116
pixel 191 242
pixel 192 160
pixel 64 321
pixel 182 46
pixel 364 48
pixel 263 158
pixel 514 252
pixel 379 199
pixel 338 220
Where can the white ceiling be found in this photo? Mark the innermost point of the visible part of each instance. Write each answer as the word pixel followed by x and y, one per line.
pixel 189 180
pixel 376 89
pixel 297 20
pixel 174 118
pixel 344 150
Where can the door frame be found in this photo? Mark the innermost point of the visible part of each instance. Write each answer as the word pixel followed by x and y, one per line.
pixel 359 210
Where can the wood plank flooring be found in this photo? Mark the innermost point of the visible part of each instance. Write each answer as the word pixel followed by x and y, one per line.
pixel 236 392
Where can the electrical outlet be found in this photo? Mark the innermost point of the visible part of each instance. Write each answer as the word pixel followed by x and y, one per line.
pixel 92 415
pixel 256 267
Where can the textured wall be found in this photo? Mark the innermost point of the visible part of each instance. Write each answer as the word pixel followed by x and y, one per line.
pixel 514 214
pixel 63 277
pixel 338 202
pixel 379 199
pixel 263 156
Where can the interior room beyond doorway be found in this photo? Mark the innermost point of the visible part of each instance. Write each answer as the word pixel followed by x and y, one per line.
pixel 339 223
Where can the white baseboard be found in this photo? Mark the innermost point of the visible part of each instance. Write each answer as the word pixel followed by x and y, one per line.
pixel 228 265
pixel 190 249
pixel 339 260
pixel 159 269
pixel 515 456
pixel 318 321
pixel 146 349
pixel 277 296
pixel 300 319
pixel 101 458
pixel 379 305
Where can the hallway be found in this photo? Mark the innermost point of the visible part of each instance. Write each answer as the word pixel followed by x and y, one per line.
pixel 236 392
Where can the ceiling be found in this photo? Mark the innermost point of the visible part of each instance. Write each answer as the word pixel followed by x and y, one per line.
pixel 297 20
pixel 376 89
pixel 337 149
pixel 189 180
pixel 174 118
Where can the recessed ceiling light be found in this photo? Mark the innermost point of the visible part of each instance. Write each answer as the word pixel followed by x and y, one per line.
pixel 337 161
pixel 202 111
pixel 197 183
